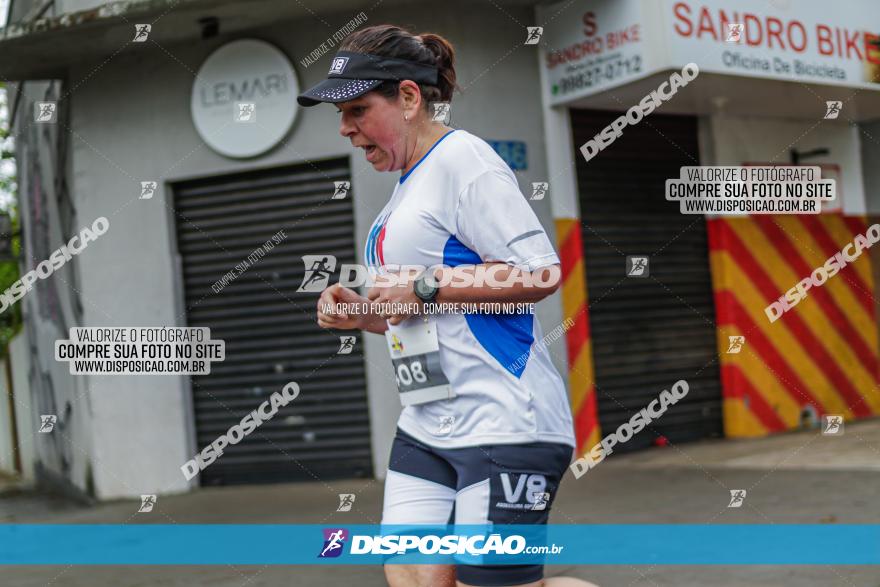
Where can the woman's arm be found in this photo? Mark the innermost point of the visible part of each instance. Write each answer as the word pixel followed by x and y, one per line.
pixel 511 284
pixel 372 322
pixel 497 282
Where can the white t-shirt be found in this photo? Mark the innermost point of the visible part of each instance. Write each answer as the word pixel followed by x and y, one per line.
pixel 461 205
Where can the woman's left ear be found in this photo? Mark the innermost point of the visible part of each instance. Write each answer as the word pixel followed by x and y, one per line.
pixel 410 93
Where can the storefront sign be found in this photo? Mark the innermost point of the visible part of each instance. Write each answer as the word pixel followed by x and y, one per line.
pixel 594 45
pixel 802 41
pixel 243 100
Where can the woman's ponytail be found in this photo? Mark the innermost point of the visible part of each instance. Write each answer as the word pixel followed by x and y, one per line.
pixel 444 61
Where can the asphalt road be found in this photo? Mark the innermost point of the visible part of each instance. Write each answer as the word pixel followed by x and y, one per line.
pixel 793 478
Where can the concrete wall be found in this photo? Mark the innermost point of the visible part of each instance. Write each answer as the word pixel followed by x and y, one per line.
pixel 132 120
pixel 27 8
pixel 870 141
pixel 7 440
pixel 739 139
pixel 17 431
pixel 68 6
pixel 20 9
pixel 26 417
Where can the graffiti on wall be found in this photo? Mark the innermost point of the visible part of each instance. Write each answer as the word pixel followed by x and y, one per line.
pixel 49 310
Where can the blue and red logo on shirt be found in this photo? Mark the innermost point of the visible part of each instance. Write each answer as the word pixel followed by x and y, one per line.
pixel 374 253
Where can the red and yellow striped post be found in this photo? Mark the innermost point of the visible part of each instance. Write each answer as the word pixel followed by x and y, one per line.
pixel 822 353
pixel 582 388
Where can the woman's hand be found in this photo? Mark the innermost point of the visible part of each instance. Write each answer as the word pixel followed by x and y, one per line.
pixel 337 294
pixel 394 298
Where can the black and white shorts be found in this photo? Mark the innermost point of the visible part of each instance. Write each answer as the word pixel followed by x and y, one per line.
pixel 497 483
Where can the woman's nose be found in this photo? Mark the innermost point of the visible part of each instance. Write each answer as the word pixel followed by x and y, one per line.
pixel 345 127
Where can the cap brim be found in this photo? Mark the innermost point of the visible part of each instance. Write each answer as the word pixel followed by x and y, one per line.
pixel 337 90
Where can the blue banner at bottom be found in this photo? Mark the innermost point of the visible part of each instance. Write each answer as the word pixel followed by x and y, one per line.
pixel 581 544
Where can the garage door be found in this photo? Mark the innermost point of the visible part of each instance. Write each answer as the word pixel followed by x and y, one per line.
pixel 647 332
pixel 270 330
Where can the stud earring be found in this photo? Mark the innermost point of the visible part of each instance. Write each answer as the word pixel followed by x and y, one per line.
pixel 406 116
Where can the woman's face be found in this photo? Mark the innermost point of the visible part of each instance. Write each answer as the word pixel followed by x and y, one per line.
pixel 375 124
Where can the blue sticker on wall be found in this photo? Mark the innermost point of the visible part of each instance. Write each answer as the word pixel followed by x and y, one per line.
pixel 512 152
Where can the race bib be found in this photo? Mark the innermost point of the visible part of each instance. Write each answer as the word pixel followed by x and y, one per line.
pixel 415 355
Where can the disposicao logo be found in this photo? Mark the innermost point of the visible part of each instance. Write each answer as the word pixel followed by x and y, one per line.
pixel 334 542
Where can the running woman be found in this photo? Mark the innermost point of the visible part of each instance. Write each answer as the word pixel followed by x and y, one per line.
pixel 486 430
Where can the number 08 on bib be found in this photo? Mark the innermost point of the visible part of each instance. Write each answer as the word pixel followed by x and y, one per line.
pixel 415 356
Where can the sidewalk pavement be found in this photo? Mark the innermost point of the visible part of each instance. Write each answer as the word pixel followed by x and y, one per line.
pixel 799 477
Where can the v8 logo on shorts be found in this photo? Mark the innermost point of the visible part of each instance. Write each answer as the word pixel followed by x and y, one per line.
pixel 522 491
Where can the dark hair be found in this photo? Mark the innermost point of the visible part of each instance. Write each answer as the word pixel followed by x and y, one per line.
pixel 398 43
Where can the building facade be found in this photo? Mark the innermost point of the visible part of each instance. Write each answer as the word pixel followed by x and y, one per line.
pixel 132 110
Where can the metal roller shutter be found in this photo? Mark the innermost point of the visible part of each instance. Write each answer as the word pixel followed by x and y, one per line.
pixel 270 330
pixel 649 332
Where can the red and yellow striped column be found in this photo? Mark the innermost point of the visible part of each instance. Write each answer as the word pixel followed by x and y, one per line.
pixel 822 353
pixel 582 388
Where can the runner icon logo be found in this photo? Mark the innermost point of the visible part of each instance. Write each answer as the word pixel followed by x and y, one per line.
pixel 346 345
pixel 541 501
pixel 637 267
pixel 737 496
pixel 147 503
pixel 441 112
pixel 141 32
pixel 539 189
pixel 346 500
pixel 446 424
pixel 523 491
pixel 533 34
pixel 736 344
pixel 340 189
pixel 832 425
pixel 45 111
pixel 319 268
pixel 734 32
pixel 832 109
pixel 245 112
pixel 148 189
pixel 47 423
pixel 334 541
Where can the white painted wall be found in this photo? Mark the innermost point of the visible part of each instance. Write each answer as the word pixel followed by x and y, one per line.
pixel 739 139
pixel 25 412
pixel 7 442
pixel 869 136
